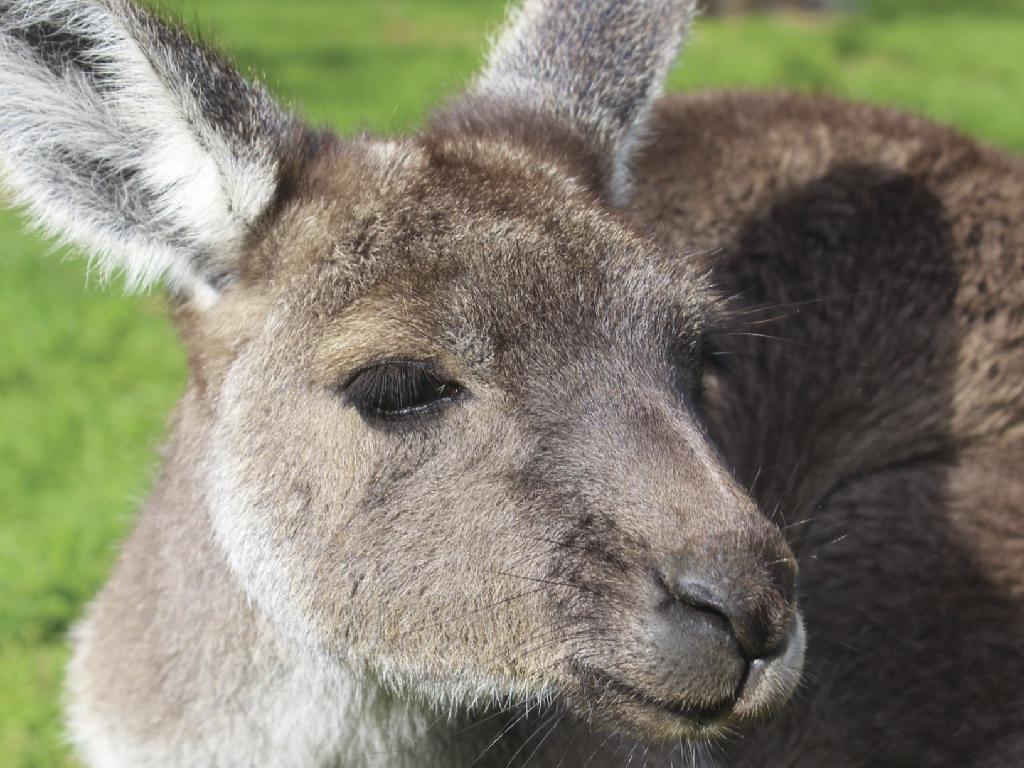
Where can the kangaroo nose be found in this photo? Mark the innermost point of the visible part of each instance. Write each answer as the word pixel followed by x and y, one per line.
pixel 756 612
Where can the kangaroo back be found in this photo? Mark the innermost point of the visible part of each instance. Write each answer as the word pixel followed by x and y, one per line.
pixel 874 396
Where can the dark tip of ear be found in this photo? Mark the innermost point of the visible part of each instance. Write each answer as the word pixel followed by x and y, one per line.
pixel 300 147
pixel 220 281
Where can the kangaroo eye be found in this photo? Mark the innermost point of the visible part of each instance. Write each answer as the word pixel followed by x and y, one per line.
pixel 690 364
pixel 399 389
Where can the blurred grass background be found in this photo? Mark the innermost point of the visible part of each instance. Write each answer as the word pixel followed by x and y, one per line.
pixel 87 375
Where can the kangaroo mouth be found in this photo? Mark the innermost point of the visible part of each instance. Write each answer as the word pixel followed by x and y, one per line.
pixel 701 716
pixel 763 688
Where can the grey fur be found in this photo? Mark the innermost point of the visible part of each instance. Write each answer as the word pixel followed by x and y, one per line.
pixel 594 66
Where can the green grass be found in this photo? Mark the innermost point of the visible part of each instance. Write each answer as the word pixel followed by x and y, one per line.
pixel 87 375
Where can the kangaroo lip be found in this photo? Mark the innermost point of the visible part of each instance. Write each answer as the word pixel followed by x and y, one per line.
pixel 700 715
pixel 770 682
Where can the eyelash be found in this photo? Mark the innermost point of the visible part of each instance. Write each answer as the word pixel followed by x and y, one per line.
pixel 714 357
pixel 689 370
pixel 400 389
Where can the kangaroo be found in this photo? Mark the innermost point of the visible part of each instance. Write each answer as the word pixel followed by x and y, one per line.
pixel 584 427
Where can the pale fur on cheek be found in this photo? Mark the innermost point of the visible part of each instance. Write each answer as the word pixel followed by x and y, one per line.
pixel 274 571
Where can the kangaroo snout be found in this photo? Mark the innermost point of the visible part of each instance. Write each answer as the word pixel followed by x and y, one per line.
pixel 697 626
pixel 687 619
pixel 721 637
pixel 753 605
pixel 722 631
pixel 725 625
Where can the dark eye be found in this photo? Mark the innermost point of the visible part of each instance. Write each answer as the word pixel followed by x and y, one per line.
pixel 714 357
pixel 399 389
pixel 690 364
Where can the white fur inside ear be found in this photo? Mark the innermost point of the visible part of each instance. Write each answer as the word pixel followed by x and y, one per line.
pixel 105 138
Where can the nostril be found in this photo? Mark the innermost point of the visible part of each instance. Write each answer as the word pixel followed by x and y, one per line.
pixel 746 620
pixel 700 596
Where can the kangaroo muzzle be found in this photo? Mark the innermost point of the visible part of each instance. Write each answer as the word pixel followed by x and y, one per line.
pixel 689 620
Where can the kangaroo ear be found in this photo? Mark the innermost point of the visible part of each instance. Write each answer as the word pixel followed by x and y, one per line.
pixel 124 136
pixel 596 66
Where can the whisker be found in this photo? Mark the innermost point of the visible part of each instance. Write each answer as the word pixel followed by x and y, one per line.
pixel 504 732
pixel 551 582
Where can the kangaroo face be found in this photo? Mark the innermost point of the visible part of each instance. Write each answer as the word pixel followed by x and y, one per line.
pixel 463 447
pixel 450 400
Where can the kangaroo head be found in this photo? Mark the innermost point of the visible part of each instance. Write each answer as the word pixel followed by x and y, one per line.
pixel 444 399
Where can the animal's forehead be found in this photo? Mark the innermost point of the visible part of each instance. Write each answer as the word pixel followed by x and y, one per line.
pixel 483 247
pixel 507 303
pixel 485 208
